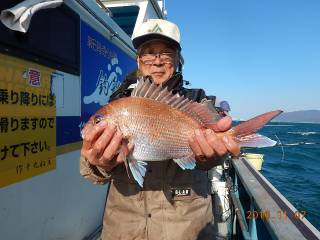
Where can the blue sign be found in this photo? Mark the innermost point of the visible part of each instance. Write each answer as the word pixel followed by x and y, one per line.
pixel 103 68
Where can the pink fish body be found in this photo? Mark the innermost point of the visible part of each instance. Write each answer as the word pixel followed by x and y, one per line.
pixel 158 131
pixel 159 123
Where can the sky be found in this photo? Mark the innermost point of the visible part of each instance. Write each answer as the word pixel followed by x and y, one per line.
pixel 259 55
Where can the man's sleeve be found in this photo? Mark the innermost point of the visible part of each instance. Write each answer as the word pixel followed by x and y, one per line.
pixel 92 173
pixel 95 174
pixel 123 90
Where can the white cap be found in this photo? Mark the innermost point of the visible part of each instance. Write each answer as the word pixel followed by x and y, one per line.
pixel 156 29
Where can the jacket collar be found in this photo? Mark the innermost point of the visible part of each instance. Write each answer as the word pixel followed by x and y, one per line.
pixel 174 83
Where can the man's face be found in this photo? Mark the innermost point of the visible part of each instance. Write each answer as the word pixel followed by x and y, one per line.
pixel 158 60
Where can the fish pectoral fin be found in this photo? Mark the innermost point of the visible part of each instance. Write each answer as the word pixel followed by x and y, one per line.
pixel 255 140
pixel 138 170
pixel 126 164
pixel 122 157
pixel 186 162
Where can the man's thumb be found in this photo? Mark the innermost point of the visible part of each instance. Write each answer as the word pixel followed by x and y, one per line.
pixel 224 124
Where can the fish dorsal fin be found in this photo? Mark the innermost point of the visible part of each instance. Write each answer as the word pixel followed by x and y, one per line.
pixel 146 88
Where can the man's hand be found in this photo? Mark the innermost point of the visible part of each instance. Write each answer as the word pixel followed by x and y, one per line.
pixel 211 146
pixel 103 145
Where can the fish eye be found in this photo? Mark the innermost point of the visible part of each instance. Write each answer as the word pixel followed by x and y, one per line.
pixel 98 118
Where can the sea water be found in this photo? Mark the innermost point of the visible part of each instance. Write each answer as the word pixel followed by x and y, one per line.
pixel 294 169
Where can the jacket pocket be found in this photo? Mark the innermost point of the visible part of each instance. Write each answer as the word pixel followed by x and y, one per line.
pixel 189 207
pixel 191 185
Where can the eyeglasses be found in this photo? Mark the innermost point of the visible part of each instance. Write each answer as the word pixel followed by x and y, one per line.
pixel 149 58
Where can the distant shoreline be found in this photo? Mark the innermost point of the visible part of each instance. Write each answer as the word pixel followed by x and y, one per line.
pixel 281 122
pixel 303 116
pixel 295 122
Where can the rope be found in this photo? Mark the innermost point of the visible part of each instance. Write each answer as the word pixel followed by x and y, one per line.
pixel 281 147
pixel 295 144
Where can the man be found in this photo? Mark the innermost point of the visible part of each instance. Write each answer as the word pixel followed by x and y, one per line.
pixel 173 203
pixel 224 108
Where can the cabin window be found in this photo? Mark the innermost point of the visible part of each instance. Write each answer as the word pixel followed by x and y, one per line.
pixel 125 17
pixel 53 38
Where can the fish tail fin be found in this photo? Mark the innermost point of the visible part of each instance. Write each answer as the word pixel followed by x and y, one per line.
pixel 245 133
pixel 255 140
pixel 138 170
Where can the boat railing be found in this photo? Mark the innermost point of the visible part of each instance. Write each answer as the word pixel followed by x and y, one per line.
pixel 261 211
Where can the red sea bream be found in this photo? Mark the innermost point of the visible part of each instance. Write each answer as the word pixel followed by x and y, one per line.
pixel 158 123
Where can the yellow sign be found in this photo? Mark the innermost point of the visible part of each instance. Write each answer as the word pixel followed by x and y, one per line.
pixel 27 120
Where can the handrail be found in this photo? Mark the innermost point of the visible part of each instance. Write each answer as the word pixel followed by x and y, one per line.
pixel 265 198
pixel 157 8
pixel 239 212
pixel 104 7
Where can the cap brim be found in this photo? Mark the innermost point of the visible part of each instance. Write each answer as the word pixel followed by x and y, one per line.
pixel 137 42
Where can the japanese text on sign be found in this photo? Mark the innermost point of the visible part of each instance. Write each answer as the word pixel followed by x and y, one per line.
pixel 100 48
pixel 27 120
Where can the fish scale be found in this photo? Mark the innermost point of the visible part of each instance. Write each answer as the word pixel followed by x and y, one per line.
pixel 165 138
pixel 158 123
